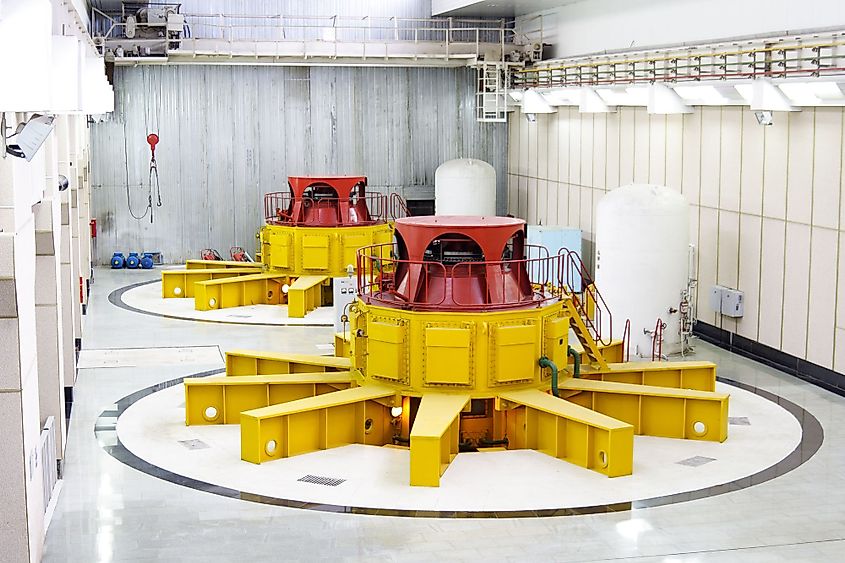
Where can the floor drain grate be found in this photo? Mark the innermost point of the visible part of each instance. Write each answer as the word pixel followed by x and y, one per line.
pixel 739 421
pixel 320 480
pixel 194 444
pixel 696 461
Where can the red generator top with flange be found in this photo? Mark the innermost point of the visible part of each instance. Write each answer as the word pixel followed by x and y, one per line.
pixel 324 201
pixel 453 263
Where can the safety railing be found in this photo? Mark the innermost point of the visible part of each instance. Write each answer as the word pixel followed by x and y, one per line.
pixel 481 285
pixel 775 57
pixel 657 341
pixel 49 460
pixel 326 29
pixel 278 207
pixel 398 207
pixel 626 341
pixel 354 29
pixel 578 282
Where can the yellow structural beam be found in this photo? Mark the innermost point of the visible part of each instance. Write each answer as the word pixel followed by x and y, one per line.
pixel 255 289
pixel 316 423
pixel 220 400
pixel 218 264
pixel 305 294
pixel 568 431
pixel 677 375
pixel 256 362
pixel 180 283
pixel 343 344
pixel 612 352
pixel 435 437
pixel 656 411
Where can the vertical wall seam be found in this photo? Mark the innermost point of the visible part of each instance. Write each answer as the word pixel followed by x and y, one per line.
pixel 762 221
pixel 838 242
pixel 810 249
pixel 785 217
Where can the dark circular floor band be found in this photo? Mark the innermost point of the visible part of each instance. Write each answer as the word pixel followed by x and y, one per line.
pixel 812 436
pixel 116 299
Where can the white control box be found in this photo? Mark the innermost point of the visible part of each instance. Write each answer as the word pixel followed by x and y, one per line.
pixel 727 301
pixel 343 292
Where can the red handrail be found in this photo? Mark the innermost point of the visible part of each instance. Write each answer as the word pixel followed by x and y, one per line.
pixel 626 341
pixel 521 282
pixel 575 270
pixel 278 206
pixel 657 341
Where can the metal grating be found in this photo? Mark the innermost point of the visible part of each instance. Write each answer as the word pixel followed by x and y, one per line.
pixel 321 480
pixel 696 461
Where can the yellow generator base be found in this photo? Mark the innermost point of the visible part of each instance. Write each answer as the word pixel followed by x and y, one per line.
pixel 441 383
pixel 324 251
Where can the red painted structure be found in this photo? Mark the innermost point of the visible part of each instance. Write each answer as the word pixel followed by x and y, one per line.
pixel 327 201
pixel 457 263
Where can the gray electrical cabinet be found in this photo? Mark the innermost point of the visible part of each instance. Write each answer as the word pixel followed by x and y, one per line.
pixel 343 290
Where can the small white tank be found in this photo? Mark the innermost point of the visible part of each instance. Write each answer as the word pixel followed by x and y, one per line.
pixel 642 248
pixel 465 186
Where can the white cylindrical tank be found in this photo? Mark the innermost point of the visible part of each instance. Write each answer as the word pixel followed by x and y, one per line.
pixel 642 249
pixel 465 186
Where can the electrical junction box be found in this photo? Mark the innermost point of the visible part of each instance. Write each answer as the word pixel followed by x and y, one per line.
pixel 727 301
pixel 343 290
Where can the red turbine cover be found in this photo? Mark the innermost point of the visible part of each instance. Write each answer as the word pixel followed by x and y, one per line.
pixel 462 262
pixel 322 201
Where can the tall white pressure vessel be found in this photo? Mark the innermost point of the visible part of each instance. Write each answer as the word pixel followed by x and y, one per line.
pixel 465 186
pixel 642 246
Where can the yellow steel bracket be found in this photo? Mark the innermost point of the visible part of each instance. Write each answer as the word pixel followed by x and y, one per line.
pixel 255 289
pixel 180 283
pixel 570 432
pixel 259 362
pixel 220 400
pixel 304 295
pixel 677 375
pixel 316 423
pixel 435 437
pixel 656 411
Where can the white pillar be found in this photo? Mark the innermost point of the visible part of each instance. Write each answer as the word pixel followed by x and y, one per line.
pixel 22 506
pixel 48 296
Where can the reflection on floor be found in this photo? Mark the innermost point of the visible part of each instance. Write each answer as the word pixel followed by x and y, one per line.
pixel 111 512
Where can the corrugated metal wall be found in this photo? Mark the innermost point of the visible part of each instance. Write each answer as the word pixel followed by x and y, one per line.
pixel 766 205
pixel 230 134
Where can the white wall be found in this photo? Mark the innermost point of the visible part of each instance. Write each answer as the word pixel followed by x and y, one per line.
pixel 597 25
pixel 767 214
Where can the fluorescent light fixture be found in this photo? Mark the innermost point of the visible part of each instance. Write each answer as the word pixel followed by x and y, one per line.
pixel 766 96
pixel 813 93
pixel 638 95
pixel 591 102
pixel 534 102
pixel 562 96
pixel 663 100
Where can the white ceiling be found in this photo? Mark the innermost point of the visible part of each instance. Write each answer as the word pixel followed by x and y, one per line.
pixel 494 8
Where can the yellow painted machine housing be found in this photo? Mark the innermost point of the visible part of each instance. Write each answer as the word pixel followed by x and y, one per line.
pixel 324 251
pixel 474 353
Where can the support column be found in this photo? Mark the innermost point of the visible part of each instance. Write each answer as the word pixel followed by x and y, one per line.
pixel 22 506
pixel 48 296
pixel 68 284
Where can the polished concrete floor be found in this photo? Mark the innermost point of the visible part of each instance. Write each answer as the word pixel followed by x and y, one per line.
pixel 110 512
